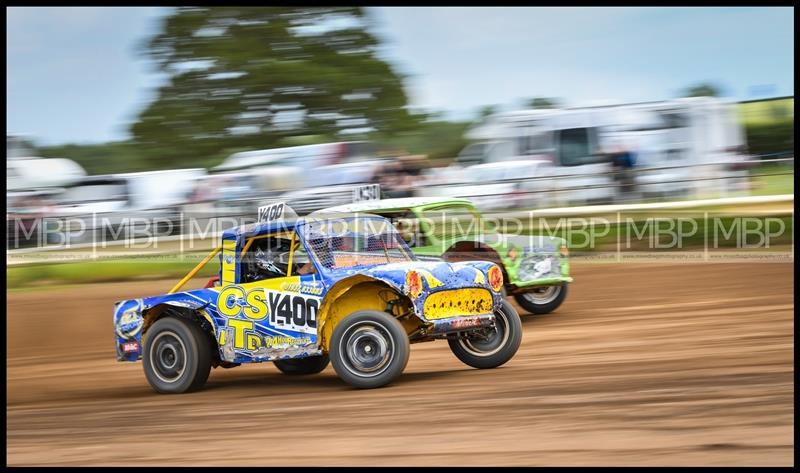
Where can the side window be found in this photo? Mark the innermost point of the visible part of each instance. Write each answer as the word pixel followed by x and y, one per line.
pixel 301 261
pixel 575 147
pixel 472 154
pixel 273 257
pixel 11 172
pixel 262 260
pixel 535 143
pixel 452 220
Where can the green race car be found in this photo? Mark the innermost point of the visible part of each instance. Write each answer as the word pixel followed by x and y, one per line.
pixel 535 268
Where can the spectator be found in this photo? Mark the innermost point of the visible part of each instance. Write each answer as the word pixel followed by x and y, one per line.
pixel 623 161
pixel 392 181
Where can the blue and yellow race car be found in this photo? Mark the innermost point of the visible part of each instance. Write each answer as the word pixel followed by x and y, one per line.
pixel 301 292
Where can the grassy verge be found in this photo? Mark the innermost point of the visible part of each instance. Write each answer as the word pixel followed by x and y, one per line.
pixel 773 185
pixel 123 269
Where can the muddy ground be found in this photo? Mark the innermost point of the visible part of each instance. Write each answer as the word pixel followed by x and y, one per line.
pixel 644 364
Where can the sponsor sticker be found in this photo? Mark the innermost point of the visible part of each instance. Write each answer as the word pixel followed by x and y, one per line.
pixel 130 323
pixel 465 322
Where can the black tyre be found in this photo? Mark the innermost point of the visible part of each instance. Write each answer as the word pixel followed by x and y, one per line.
pixel 369 349
pixel 177 356
pixel 299 366
pixel 492 347
pixel 542 300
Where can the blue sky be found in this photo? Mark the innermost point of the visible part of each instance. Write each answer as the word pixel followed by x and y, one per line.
pixel 74 74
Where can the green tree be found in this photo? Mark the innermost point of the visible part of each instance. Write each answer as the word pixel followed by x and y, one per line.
pixel 101 158
pixel 433 136
pixel 702 90
pixel 486 110
pixel 542 102
pixel 254 77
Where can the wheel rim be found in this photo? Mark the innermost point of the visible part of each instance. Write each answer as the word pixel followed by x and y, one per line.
pixel 493 341
pixel 542 295
pixel 168 356
pixel 366 349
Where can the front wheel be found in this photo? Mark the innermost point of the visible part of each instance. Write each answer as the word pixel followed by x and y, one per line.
pixel 542 300
pixel 300 366
pixel 490 348
pixel 369 349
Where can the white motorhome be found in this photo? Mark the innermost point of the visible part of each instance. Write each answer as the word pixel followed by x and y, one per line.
pixel 666 137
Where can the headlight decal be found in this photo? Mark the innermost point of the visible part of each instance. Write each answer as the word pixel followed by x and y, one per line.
pixel 413 284
pixel 495 278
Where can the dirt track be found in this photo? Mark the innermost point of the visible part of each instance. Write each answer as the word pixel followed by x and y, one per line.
pixel 682 364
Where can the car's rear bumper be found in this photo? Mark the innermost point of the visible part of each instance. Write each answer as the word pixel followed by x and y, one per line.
pixel 461 323
pixel 542 282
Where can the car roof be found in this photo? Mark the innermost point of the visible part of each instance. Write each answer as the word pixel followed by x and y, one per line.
pixel 261 228
pixel 398 203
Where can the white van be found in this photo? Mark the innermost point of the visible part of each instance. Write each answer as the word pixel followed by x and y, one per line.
pixel 493 186
pixel 306 156
pixel 106 203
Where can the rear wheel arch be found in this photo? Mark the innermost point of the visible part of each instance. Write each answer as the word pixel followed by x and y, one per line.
pixel 198 317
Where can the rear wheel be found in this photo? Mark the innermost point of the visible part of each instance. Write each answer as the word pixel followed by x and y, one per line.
pixel 492 347
pixel 300 366
pixel 369 349
pixel 542 300
pixel 177 356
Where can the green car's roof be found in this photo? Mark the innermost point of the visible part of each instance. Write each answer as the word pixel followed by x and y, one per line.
pixel 399 203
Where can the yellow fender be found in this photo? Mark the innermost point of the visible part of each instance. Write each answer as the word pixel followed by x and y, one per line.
pixel 356 293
